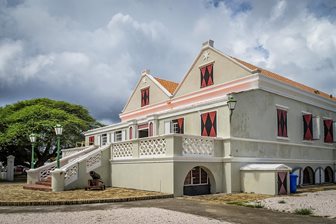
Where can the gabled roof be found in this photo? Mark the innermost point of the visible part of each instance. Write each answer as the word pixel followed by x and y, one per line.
pixel 168 85
pixel 285 80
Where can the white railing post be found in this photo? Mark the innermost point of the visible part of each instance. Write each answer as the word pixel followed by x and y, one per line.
pixel 57 180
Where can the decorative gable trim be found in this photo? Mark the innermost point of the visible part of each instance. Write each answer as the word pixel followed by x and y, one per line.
pixel 145 75
pixel 218 52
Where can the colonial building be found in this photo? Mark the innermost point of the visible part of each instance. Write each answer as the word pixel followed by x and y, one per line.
pixel 182 138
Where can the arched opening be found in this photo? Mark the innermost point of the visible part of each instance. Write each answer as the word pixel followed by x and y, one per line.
pixel 308 176
pixel 328 175
pixel 197 182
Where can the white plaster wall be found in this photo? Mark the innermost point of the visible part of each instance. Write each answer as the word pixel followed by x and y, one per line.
pixel 259 182
pixel 151 176
pixel 255 117
pixel 192 122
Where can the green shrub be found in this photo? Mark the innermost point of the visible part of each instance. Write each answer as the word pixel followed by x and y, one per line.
pixel 303 211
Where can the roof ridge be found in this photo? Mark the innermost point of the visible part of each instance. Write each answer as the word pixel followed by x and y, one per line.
pixel 284 79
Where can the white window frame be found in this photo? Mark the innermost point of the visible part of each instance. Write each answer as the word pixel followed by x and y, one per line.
pixel 104 139
pixel 200 178
pixel 118 136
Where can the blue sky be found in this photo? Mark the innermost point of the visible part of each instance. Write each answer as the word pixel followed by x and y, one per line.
pixel 92 52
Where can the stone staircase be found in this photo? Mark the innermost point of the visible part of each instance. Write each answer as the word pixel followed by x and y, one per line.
pixel 43 185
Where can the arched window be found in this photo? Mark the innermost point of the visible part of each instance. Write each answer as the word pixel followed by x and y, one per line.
pixel 196 182
pixel 308 176
pixel 328 175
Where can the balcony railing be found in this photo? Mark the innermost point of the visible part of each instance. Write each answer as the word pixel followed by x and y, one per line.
pixel 167 146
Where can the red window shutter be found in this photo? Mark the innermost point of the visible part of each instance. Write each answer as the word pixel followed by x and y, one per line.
pixel 206 75
pixel 328 131
pixel 144 97
pixel 282 123
pixel 209 124
pixel 307 127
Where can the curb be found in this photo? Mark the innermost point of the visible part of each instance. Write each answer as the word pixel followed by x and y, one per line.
pixel 80 202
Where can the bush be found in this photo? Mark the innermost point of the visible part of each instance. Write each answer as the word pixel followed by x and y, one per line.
pixel 303 211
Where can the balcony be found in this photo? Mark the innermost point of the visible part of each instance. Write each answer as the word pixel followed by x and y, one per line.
pixel 174 145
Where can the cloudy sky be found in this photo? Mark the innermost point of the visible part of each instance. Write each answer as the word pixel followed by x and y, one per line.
pixel 91 52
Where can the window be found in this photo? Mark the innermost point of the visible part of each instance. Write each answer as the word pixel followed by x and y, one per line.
pixel 104 139
pixel 151 129
pixel 307 127
pixel 91 140
pixel 145 97
pixel 196 176
pixel 118 136
pixel 328 131
pixel 207 75
pixel 316 128
pixel 282 123
pixel 130 133
pixel 178 126
pixel 209 124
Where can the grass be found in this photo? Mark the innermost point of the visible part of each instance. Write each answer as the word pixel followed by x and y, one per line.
pixel 239 199
pixel 303 211
pixel 15 193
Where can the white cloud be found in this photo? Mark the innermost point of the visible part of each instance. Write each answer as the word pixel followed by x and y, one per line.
pixel 93 53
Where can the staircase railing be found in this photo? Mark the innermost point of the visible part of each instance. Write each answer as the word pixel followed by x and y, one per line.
pixel 78 169
pixel 40 173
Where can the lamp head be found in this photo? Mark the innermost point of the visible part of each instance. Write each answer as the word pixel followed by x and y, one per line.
pixel 32 138
pixel 58 129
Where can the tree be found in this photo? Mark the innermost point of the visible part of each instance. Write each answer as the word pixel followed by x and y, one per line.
pixel 19 120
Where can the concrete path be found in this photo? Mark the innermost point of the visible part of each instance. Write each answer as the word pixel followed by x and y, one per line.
pixel 209 213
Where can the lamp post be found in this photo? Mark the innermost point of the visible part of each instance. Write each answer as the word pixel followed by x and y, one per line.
pixel 58 131
pixel 32 138
pixel 231 104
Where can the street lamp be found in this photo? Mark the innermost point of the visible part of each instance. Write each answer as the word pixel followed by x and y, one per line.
pixel 231 104
pixel 32 138
pixel 58 131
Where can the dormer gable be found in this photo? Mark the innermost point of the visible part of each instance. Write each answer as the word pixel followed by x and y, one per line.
pixel 210 68
pixel 149 91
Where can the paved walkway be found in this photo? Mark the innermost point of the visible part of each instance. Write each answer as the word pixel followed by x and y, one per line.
pixel 143 212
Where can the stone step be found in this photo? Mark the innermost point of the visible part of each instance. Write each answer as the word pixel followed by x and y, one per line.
pixel 45 183
pixel 37 187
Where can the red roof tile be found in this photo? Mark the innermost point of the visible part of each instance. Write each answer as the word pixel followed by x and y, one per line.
pixel 168 85
pixel 285 80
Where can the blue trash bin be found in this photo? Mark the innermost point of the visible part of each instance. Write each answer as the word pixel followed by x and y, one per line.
pixel 293 180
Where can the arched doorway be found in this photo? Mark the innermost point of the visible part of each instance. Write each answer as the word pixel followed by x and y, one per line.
pixel 308 176
pixel 197 182
pixel 328 175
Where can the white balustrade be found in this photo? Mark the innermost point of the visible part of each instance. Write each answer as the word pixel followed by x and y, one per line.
pixel 152 147
pixel 43 172
pixel 122 150
pixel 198 146
pixel 93 161
pixel 71 174
pixel 68 152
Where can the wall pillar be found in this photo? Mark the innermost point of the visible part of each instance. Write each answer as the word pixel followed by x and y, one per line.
pixel 10 168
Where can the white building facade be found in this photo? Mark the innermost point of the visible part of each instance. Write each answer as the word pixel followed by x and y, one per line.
pixel 181 138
